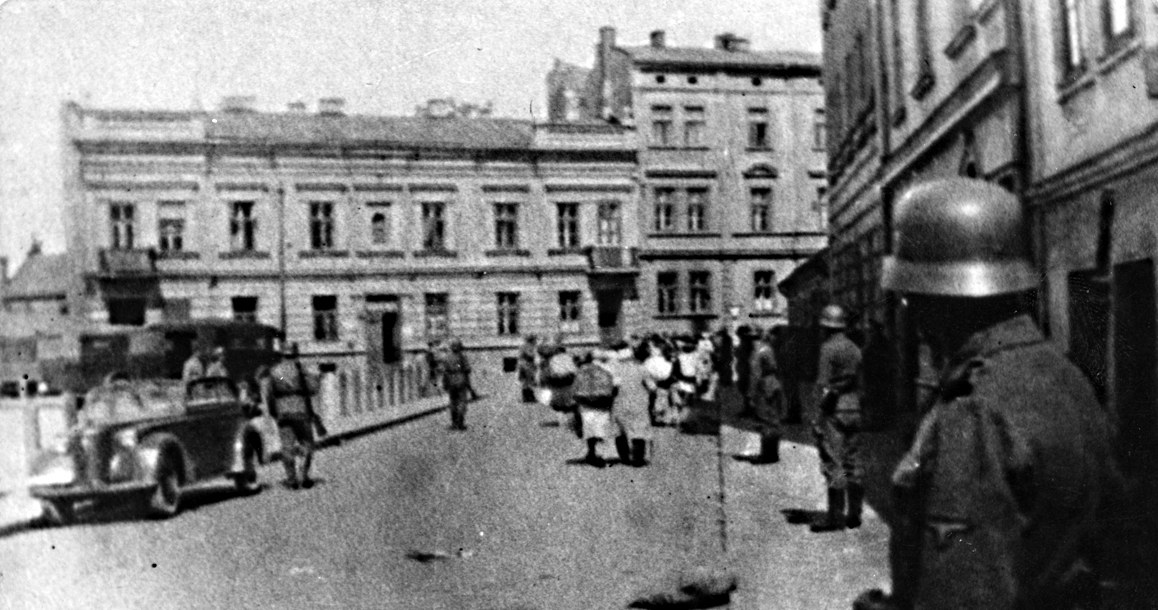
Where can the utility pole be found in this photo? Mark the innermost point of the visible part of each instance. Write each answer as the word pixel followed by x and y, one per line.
pixel 281 259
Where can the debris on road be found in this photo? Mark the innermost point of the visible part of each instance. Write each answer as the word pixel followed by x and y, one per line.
pixel 699 588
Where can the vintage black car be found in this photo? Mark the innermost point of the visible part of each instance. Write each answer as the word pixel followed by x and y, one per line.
pixel 142 441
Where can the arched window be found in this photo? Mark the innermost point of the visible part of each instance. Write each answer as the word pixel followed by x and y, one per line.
pixel 378 231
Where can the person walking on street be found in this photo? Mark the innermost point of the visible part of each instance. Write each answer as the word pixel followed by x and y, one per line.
pixel 658 379
pixel 768 401
pixel 630 412
pixel 456 380
pixel 528 373
pixel 837 427
pixel 289 399
pixel 595 390
pixel 997 495
pixel 743 358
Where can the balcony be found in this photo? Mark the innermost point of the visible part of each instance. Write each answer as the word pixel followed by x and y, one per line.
pixel 612 259
pixel 139 262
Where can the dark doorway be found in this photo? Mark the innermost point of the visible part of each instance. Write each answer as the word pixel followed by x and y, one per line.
pixel 610 304
pixel 1134 362
pixel 383 328
pixel 1089 297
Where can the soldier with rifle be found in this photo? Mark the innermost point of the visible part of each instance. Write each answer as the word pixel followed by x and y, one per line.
pixel 289 396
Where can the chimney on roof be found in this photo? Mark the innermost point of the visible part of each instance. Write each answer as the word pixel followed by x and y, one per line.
pixel 297 107
pixel 658 39
pixel 238 103
pixel 332 106
pixel 732 43
pixel 607 37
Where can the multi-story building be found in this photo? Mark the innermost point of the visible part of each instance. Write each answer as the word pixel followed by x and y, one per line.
pixel 731 159
pixel 912 93
pixel 354 234
pixel 1092 90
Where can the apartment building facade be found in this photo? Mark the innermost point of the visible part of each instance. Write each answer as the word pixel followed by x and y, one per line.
pixel 1092 91
pixel 359 236
pixel 731 167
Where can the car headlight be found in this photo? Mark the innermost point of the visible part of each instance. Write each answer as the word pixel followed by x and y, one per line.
pixel 122 464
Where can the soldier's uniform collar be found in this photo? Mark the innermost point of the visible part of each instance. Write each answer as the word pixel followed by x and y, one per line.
pixel 1010 334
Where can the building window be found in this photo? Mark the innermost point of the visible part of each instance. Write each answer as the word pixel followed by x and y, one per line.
pixel 761 200
pixel 758 128
pixel 694 126
pixel 764 291
pixel 665 207
pixel 437 314
pixel 434 225
pixel 507 225
pixel 567 225
pixel 242 227
pixel 818 129
pixel 508 308
pixel 325 317
pixel 667 292
pixel 321 225
pixel 569 311
pixel 924 48
pixel 245 309
pixel 610 224
pixel 1117 23
pixel 380 224
pixel 170 236
pixel 1070 51
pixel 122 218
pixel 699 292
pixel 697 209
pixel 898 56
pixel 661 125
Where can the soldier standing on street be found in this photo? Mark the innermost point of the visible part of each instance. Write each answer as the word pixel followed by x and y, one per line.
pixel 456 377
pixel 768 401
pixel 998 492
pixel 528 368
pixel 289 395
pixel 837 427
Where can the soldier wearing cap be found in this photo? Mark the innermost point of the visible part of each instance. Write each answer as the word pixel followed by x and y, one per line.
pixel 837 427
pixel 997 493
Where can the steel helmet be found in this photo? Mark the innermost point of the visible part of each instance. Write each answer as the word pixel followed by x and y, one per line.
pixel 959 237
pixel 833 316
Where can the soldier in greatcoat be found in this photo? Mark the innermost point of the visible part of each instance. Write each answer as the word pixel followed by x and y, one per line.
pixel 999 489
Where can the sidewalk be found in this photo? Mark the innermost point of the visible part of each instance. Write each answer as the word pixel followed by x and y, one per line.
pixel 781 565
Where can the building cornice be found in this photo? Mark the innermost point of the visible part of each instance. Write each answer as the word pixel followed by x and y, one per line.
pixel 1124 157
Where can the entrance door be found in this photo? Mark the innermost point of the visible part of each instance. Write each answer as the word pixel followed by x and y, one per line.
pixel 1136 399
pixel 610 305
pixel 1089 296
pixel 383 322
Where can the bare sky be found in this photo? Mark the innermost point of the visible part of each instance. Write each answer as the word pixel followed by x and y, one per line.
pixel 383 56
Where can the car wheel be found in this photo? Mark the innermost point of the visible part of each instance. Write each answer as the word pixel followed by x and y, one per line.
pixel 247 481
pixel 165 499
pixel 59 512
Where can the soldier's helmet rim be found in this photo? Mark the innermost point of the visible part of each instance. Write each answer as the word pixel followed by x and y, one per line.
pixel 959 237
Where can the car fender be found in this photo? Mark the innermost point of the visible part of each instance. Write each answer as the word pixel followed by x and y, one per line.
pixel 154 446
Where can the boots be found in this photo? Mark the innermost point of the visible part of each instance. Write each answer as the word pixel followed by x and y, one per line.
pixel 592 457
pixel 769 450
pixel 638 452
pixel 307 460
pixel 833 520
pixel 291 472
pixel 623 449
pixel 855 505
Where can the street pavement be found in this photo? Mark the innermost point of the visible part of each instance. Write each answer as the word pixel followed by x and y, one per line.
pixel 502 516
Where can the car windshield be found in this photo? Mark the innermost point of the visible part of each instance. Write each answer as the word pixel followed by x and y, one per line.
pixel 123 401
